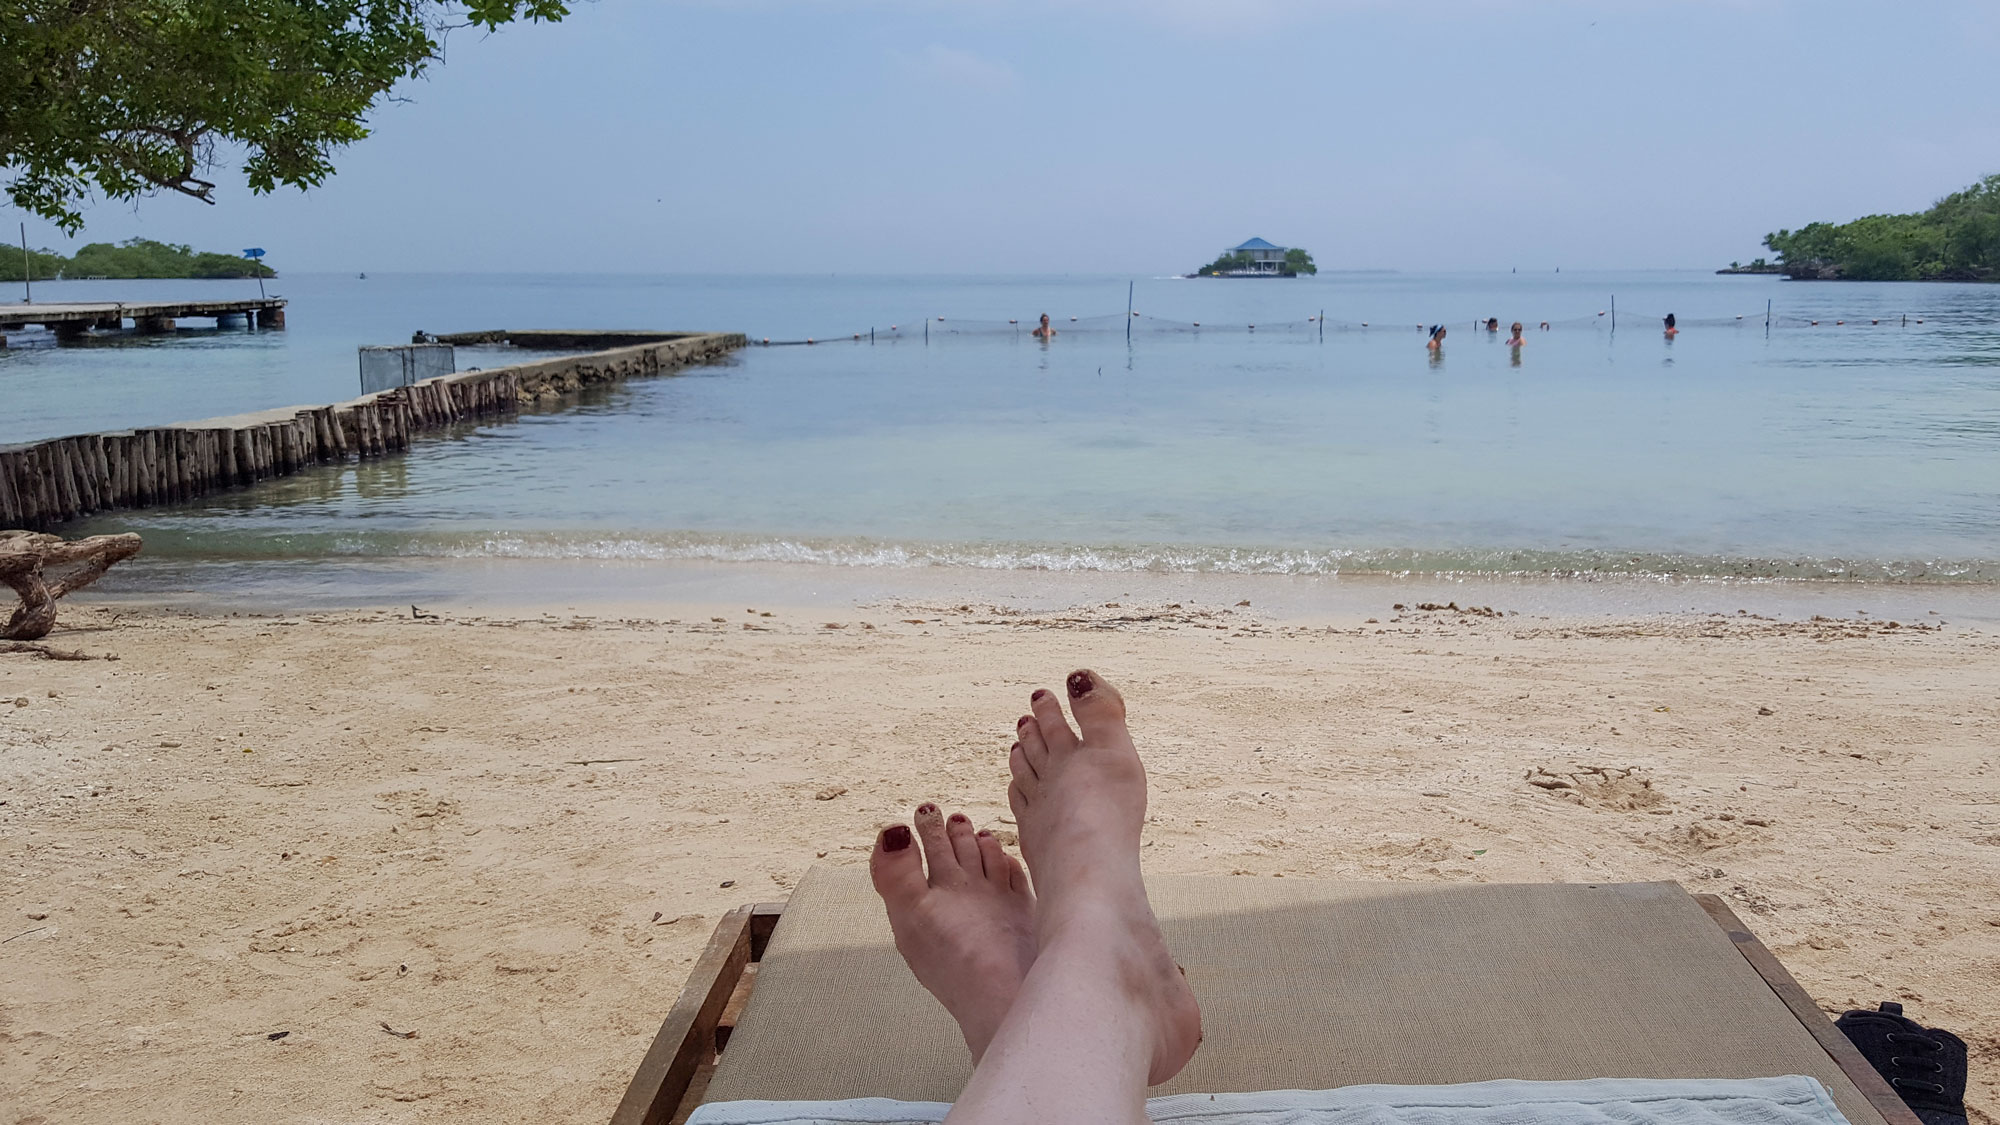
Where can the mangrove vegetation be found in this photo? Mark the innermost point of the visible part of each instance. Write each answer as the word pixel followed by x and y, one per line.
pixel 1958 239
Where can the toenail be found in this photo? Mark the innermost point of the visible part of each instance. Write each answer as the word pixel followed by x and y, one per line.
pixel 1039 693
pixel 896 837
pixel 959 818
pixel 1080 684
pixel 1022 722
pixel 985 833
pixel 1013 748
pixel 926 809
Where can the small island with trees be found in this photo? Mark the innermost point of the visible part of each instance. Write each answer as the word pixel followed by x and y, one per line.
pixel 1258 258
pixel 1958 239
pixel 135 257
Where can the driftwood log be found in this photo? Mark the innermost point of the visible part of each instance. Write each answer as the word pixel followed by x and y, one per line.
pixel 42 568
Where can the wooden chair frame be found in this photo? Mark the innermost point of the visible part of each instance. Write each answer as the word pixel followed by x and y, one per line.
pixel 673 1077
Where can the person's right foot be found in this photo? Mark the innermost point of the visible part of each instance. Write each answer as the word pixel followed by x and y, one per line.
pixel 1080 803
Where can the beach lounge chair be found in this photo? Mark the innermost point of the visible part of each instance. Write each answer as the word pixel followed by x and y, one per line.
pixel 1303 985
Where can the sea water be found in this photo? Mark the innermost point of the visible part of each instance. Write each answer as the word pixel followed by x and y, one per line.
pixel 1263 441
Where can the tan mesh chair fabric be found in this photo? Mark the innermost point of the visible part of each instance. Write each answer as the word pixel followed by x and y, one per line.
pixel 1307 985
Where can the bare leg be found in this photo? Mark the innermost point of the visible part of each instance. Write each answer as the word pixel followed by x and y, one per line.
pixel 1104 1011
pixel 967 928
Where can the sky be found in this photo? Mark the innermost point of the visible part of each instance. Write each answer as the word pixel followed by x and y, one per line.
pixel 1133 136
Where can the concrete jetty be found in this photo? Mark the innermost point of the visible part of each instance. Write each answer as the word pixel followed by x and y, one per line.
pixel 72 319
pixel 47 482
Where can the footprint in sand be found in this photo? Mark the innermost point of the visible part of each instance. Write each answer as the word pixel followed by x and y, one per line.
pixel 1623 788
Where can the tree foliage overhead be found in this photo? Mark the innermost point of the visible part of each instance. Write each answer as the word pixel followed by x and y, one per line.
pixel 1958 239
pixel 130 97
pixel 135 257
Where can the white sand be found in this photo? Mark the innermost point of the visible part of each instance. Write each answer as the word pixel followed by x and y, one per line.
pixel 321 824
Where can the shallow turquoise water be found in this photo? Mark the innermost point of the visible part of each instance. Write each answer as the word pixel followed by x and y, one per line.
pixel 1850 450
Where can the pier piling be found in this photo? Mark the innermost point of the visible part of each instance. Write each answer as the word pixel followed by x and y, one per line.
pixel 47 482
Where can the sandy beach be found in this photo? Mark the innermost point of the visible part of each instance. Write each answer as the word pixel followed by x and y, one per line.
pixel 350 865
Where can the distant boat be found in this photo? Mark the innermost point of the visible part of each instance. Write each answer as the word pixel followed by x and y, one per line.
pixel 362 276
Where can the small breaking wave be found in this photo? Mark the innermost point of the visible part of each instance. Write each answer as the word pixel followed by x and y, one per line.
pixel 175 542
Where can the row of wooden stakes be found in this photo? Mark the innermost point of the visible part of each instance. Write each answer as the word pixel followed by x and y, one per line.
pixel 48 482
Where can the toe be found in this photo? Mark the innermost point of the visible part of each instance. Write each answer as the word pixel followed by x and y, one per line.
pixel 1049 721
pixel 1034 749
pixel 1020 767
pixel 964 845
pixel 1002 870
pixel 1099 709
pixel 938 853
pixel 895 867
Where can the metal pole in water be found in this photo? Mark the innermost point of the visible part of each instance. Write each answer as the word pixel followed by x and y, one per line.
pixel 871 333
pixel 927 331
pixel 27 267
pixel 1767 314
pixel 1128 311
pixel 1322 324
pixel 1614 312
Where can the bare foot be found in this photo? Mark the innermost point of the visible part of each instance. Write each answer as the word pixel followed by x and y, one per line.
pixel 1081 804
pixel 968 929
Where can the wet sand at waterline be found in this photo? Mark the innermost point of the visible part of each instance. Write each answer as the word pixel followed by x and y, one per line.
pixel 463 864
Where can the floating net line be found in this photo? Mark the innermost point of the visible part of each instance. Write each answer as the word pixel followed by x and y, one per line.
pixel 924 329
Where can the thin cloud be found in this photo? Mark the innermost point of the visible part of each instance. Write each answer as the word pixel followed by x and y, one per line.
pixel 952 67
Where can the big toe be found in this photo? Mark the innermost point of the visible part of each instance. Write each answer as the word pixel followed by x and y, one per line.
pixel 895 867
pixel 1099 709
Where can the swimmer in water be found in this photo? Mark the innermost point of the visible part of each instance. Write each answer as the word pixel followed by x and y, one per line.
pixel 1515 340
pixel 1042 330
pixel 1493 324
pixel 1436 342
pixel 1671 330
pixel 1545 326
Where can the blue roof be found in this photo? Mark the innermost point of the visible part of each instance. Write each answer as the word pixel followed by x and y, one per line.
pixel 1257 244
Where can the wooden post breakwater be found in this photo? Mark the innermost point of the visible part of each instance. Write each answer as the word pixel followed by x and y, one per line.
pixel 47 482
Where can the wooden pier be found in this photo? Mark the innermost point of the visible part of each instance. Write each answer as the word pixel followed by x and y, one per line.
pixel 69 320
pixel 47 482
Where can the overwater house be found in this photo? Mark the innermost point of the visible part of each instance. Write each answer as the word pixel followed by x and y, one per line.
pixel 1257 256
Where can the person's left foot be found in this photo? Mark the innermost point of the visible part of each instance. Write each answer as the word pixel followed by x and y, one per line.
pixel 968 928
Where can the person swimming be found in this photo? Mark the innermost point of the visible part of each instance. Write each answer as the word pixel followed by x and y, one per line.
pixel 1515 340
pixel 1672 331
pixel 1436 342
pixel 1043 330
pixel 1545 326
pixel 1493 324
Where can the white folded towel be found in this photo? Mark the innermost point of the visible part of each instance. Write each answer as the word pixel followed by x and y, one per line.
pixel 1792 1100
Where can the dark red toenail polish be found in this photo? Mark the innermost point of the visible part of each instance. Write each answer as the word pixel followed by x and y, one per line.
pixel 926 809
pixel 1013 748
pixel 1039 693
pixel 896 837
pixel 1022 722
pixel 959 818
pixel 1080 684
pixel 985 833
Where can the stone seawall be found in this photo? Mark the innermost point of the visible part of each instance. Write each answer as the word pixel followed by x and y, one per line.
pixel 47 482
